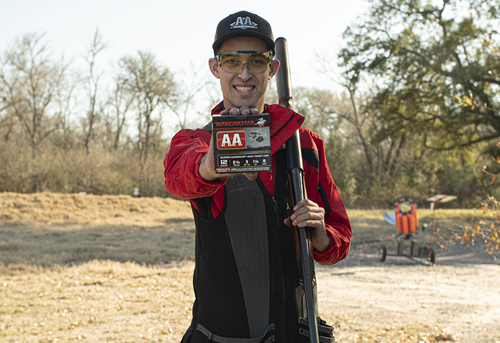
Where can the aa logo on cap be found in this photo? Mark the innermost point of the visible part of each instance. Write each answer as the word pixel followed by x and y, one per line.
pixel 243 23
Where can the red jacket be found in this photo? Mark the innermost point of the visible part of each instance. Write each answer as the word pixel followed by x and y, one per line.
pixel 183 180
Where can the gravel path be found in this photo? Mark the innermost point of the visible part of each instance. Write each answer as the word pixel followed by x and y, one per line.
pixel 463 298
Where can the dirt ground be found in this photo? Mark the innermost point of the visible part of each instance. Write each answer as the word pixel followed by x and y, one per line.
pixel 119 269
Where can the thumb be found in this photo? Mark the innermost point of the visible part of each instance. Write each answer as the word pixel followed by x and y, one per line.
pixel 288 221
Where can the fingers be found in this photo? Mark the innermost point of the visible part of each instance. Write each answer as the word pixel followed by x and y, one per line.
pixel 206 168
pixel 239 111
pixel 310 221
pixel 307 213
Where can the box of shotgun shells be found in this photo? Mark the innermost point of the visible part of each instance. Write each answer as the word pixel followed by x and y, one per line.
pixel 242 143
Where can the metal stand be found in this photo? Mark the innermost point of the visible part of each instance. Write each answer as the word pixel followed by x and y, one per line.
pixel 420 253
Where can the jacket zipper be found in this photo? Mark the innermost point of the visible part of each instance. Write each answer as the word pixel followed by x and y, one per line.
pixel 276 211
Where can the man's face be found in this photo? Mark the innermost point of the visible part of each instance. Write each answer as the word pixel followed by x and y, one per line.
pixel 243 88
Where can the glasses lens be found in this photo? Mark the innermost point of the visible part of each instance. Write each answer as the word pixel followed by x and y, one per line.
pixel 258 64
pixel 233 62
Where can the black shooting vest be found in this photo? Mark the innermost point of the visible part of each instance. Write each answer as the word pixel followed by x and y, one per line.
pixel 247 280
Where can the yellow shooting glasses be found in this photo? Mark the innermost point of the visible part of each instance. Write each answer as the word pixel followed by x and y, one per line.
pixel 233 61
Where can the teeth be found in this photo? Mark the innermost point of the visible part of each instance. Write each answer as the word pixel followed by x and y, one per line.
pixel 244 89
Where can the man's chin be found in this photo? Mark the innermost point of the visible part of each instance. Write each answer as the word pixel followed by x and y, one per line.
pixel 249 104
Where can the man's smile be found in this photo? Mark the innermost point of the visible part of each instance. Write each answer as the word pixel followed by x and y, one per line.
pixel 244 89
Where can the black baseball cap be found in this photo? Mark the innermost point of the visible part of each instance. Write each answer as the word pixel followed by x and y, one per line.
pixel 244 23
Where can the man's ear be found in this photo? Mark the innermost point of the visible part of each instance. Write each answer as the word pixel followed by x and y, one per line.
pixel 275 65
pixel 214 67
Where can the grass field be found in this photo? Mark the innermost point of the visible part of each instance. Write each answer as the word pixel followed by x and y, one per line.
pixel 118 269
pixel 95 302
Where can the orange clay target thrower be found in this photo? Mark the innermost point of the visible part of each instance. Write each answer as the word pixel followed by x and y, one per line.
pixel 406 220
pixel 406 216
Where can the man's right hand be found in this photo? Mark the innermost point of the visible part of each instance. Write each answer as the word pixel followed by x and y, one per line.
pixel 207 167
pixel 239 111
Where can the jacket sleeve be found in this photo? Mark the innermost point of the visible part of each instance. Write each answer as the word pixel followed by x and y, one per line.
pixel 182 178
pixel 336 220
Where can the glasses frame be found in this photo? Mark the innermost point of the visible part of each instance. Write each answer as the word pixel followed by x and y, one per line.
pixel 266 54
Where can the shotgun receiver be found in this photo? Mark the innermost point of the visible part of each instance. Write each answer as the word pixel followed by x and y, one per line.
pixel 296 178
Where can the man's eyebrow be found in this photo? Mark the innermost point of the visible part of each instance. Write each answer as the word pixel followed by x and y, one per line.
pixel 240 52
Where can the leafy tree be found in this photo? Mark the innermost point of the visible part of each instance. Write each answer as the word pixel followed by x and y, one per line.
pixel 419 56
pixel 360 164
pixel 479 232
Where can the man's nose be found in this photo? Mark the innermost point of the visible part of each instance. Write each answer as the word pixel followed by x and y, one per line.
pixel 245 74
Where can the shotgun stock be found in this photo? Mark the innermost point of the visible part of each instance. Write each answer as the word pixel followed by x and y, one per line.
pixel 296 175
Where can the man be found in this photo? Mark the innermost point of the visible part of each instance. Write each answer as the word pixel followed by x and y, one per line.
pixel 247 279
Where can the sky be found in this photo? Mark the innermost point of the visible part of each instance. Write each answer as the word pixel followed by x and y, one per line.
pixel 179 33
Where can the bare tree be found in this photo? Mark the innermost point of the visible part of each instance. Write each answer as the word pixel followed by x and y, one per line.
pixel 32 79
pixel 120 103
pixel 67 106
pixel 193 82
pixel 331 110
pixel 6 113
pixel 380 152
pixel 93 84
pixel 153 88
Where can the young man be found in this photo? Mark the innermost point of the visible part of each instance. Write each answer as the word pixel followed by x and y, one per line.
pixel 247 279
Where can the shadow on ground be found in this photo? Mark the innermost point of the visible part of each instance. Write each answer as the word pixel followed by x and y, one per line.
pixel 371 233
pixel 45 245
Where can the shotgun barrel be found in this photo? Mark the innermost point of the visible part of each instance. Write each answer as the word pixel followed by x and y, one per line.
pixel 296 174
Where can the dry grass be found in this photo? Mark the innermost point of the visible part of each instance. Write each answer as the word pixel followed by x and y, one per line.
pixel 115 302
pixel 113 269
pixel 95 302
pixel 117 228
pixel 96 209
pixel 126 302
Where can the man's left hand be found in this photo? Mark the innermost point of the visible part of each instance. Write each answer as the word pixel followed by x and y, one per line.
pixel 309 214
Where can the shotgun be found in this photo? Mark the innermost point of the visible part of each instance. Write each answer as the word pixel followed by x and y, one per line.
pixel 296 176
